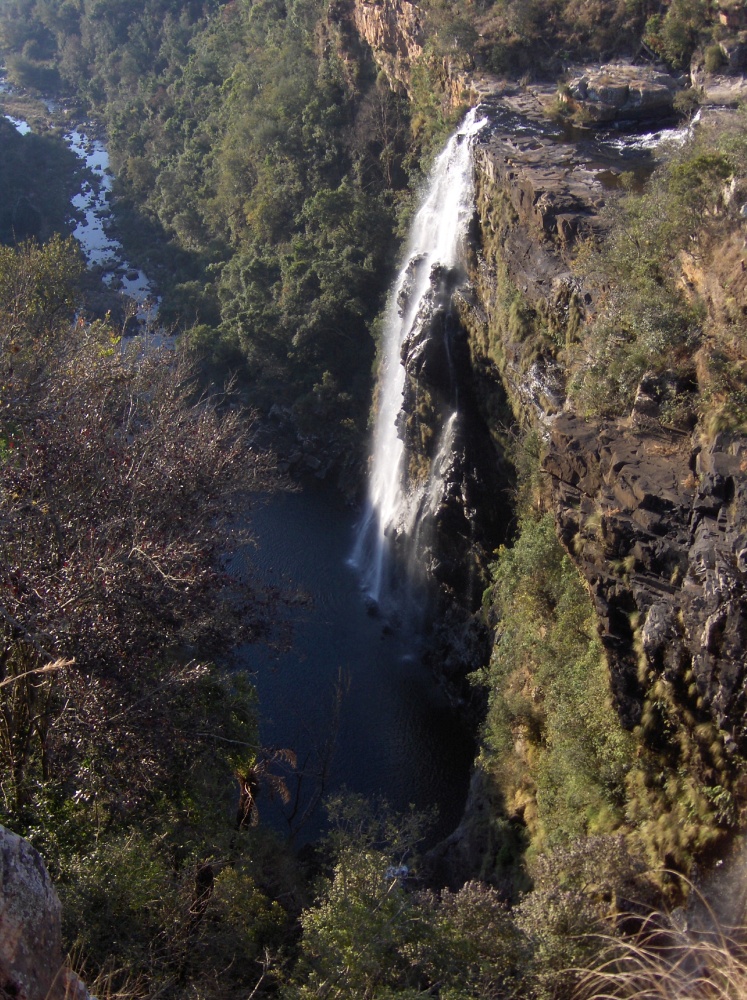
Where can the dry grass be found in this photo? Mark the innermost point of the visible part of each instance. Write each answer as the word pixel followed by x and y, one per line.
pixel 667 962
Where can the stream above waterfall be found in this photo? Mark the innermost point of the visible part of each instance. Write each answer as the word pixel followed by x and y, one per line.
pixel 92 216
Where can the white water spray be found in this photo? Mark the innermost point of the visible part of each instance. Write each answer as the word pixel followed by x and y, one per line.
pixel 436 238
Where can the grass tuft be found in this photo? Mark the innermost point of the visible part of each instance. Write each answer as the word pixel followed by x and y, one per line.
pixel 682 956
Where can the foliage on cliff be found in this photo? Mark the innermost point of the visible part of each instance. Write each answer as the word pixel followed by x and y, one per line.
pixel 549 692
pixel 515 37
pixel 672 289
pixel 554 744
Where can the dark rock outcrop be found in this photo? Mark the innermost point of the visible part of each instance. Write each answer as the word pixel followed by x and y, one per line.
pixel 455 475
pixel 658 526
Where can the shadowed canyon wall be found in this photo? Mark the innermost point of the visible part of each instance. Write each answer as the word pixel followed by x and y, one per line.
pixel 653 515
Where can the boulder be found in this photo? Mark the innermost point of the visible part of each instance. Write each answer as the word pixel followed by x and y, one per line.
pixel 723 91
pixel 32 964
pixel 620 91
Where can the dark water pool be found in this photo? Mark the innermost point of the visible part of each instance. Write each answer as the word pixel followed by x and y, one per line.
pixel 395 735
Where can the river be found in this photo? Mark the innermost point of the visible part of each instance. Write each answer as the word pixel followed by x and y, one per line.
pixel 91 212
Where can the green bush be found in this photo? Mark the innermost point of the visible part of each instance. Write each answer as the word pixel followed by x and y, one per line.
pixel 645 323
pixel 548 689
pixel 714 59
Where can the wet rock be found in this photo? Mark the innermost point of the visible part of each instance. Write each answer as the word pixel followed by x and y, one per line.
pixel 312 462
pixel 478 844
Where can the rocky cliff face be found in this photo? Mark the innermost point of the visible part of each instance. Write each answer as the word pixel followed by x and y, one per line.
pixel 657 522
pixel 391 29
pixel 393 34
pixel 654 517
pixel 447 440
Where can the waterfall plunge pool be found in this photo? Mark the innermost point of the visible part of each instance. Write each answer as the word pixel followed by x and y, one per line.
pixel 397 737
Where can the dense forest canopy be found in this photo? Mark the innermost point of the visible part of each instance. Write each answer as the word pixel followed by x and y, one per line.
pixel 272 168
pixel 269 176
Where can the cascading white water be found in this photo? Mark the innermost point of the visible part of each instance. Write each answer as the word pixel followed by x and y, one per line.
pixel 436 238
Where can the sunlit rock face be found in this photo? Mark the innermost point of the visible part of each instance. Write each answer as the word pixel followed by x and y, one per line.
pixel 621 91
pixel 393 31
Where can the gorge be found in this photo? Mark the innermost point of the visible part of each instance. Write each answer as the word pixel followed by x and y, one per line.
pixel 557 471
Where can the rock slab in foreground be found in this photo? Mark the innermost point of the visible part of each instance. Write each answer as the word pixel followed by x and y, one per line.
pixel 32 965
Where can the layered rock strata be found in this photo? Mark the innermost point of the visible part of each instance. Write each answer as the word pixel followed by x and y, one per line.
pixel 393 30
pixel 657 523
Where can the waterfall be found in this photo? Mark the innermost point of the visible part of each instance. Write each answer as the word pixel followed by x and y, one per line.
pixel 434 249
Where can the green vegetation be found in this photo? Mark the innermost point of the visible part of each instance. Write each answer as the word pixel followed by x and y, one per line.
pixel 674 33
pixel 120 740
pixel 272 172
pixel 370 934
pixel 554 743
pixel 670 275
pixel 549 691
pixel 268 172
pixel 38 177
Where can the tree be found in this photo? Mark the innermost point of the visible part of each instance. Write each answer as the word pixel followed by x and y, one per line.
pixel 118 483
pixel 372 933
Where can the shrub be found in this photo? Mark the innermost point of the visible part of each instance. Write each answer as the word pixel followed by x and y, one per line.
pixel 714 59
pixel 549 690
